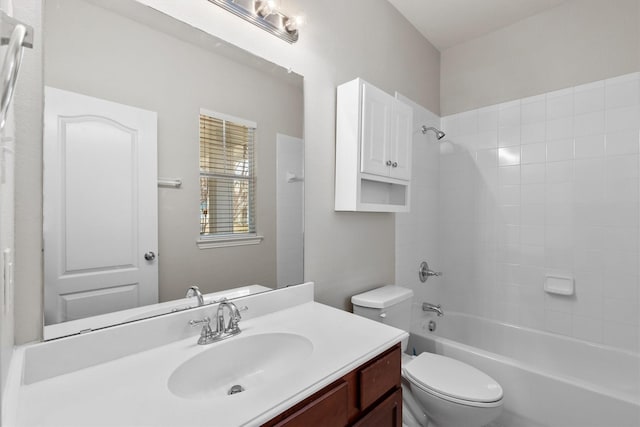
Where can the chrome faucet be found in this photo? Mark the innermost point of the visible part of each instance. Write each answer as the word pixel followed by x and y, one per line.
pixel 427 306
pixel 194 291
pixel 208 335
pixel 232 327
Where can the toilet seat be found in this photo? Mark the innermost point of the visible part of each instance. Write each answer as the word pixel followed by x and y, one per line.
pixel 452 380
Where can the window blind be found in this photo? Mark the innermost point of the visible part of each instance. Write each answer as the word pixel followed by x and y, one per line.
pixel 227 178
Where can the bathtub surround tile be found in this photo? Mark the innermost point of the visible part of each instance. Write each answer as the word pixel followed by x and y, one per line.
pixel 622 94
pixel 589 98
pixel 532 194
pixel 623 335
pixel 563 128
pixel 623 239
pixel 621 191
pixel 532 235
pixel 532 214
pixel 533 110
pixel 509 114
pixel 589 192
pixel 546 184
pixel 620 143
pixel 560 150
pixel 621 310
pixel 559 213
pixel 509 136
pixel 532 173
pixel 486 159
pixel 585 260
pixel 587 328
pixel 560 104
pixel 589 146
pixel 619 119
pixel 533 132
pixel 558 192
pixel 589 123
pixel 557 172
pixel 557 322
pixel 509 175
pixel 589 169
pixel 532 264
pixel 534 153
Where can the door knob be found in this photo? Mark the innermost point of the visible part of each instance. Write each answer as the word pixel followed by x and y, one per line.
pixel 150 256
pixel 389 162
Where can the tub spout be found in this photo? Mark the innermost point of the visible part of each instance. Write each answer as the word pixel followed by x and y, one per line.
pixel 427 306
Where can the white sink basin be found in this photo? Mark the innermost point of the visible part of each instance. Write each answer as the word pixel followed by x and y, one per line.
pixel 248 362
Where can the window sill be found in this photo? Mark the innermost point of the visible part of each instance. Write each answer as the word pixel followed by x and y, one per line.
pixel 225 242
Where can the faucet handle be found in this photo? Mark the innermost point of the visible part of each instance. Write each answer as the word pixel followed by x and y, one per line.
pixel 424 272
pixel 235 317
pixel 205 321
pixel 206 335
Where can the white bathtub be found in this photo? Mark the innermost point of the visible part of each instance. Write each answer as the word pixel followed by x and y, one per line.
pixel 548 379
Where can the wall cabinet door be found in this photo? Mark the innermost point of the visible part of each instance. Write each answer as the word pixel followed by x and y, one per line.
pixel 376 131
pixel 386 134
pixel 401 139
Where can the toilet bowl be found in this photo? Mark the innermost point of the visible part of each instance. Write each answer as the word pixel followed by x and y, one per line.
pixel 438 391
pixel 452 393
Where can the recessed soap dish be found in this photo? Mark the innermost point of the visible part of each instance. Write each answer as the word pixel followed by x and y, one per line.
pixel 559 285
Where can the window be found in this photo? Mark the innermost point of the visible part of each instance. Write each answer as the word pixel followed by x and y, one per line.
pixel 227 178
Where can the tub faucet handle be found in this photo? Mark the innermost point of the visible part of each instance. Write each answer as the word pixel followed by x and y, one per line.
pixel 424 272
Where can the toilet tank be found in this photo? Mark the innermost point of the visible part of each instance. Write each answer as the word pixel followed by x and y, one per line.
pixel 389 304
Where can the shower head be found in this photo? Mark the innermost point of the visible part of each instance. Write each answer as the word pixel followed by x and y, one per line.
pixel 438 132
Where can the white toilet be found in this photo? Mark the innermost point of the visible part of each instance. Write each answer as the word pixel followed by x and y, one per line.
pixel 437 391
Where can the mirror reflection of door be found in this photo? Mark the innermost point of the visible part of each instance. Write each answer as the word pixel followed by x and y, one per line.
pixel 290 208
pixel 100 206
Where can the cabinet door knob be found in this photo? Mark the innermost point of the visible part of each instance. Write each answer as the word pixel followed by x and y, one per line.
pixel 388 162
pixel 395 164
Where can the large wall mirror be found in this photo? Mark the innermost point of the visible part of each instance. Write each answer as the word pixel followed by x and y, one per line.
pixel 134 212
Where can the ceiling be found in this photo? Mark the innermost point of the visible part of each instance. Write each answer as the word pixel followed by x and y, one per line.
pixel 446 23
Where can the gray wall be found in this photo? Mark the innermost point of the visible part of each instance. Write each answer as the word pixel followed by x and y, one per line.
pixel 142 67
pixel 577 42
pixel 345 253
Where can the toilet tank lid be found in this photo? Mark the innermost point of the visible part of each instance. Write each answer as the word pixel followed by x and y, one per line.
pixel 383 297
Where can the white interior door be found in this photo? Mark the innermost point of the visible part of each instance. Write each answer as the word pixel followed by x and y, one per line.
pixel 100 206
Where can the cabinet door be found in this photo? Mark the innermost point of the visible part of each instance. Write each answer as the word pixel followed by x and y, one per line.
pixel 376 130
pixel 401 140
pixel 388 413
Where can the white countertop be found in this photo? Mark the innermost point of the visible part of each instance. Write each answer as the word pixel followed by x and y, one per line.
pixel 133 391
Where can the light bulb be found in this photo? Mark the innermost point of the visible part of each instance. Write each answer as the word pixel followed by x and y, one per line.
pixel 294 23
pixel 265 8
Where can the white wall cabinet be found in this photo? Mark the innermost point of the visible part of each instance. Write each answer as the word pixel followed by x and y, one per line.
pixel 373 149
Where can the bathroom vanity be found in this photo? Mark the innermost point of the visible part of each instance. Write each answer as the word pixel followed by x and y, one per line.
pixel 369 395
pixel 296 362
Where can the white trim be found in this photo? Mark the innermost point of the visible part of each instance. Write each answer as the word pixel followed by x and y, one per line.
pixel 228 241
pixel 229 118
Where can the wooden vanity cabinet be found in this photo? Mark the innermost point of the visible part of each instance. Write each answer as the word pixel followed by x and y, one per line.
pixel 368 396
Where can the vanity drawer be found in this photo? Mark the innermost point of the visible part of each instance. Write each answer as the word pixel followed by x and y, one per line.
pixel 388 413
pixel 378 377
pixel 327 408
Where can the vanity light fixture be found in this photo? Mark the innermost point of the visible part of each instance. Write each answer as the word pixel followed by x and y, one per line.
pixel 264 14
